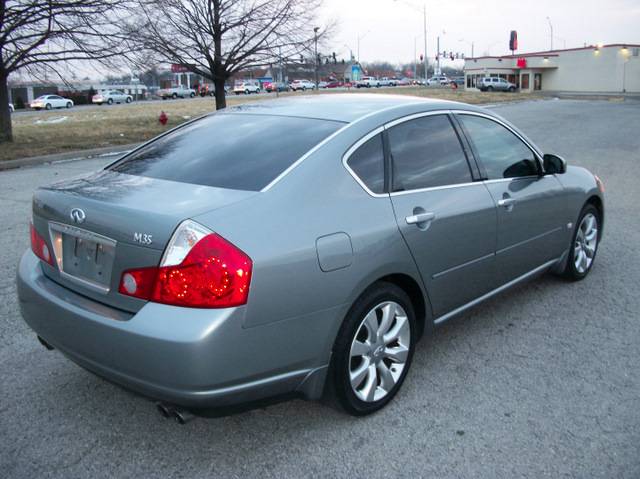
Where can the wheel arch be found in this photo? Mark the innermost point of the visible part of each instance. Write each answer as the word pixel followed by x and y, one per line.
pixel 597 202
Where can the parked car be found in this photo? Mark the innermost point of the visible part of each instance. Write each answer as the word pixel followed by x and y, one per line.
pixel 438 80
pixel 386 81
pixel 334 84
pixel 297 85
pixel 405 81
pixel 11 108
pixel 457 80
pixel 368 82
pixel 179 91
pixel 110 97
pixel 208 89
pixel 246 86
pixel 51 101
pixel 495 83
pixel 190 271
pixel 275 86
pixel 323 84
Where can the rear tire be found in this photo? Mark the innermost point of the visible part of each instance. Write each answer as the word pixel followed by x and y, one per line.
pixel 174 96
pixel 69 104
pixel 128 100
pixel 48 106
pixel 512 89
pixel 110 101
pixel 373 350
pixel 489 88
pixel 584 244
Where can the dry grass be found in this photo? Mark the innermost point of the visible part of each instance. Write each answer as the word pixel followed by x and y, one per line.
pixel 57 131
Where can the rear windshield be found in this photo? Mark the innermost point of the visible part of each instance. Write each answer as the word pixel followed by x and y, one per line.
pixel 236 151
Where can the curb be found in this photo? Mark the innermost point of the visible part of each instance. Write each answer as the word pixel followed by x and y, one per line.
pixel 68 156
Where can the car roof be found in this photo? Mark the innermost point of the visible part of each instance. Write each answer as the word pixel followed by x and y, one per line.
pixel 344 107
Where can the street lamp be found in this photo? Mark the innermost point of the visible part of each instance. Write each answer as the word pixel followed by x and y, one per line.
pixel 315 40
pixel 360 37
pixel 424 19
pixel 551 32
pixel 468 43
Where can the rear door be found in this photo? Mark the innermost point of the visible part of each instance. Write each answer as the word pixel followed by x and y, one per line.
pixel 530 205
pixel 447 220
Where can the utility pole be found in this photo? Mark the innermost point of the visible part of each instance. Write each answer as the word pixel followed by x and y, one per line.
pixel 424 24
pixel 415 58
pixel 315 39
pixel 551 32
pixel 426 61
pixel 438 57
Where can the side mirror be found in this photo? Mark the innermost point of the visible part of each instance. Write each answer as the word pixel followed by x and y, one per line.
pixel 554 164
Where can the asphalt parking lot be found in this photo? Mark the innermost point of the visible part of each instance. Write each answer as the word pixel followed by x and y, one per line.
pixel 542 381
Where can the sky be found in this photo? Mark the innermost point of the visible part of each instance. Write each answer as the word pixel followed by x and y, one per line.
pixel 387 28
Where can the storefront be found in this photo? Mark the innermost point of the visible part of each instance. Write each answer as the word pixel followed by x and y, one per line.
pixel 596 69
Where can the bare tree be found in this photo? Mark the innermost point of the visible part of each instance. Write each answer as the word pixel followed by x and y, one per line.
pixel 37 35
pixel 217 38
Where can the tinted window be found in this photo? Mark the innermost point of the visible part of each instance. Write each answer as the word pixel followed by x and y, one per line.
pixel 237 151
pixel 502 153
pixel 426 152
pixel 368 163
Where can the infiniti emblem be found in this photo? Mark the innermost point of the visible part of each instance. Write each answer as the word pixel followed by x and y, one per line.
pixel 77 215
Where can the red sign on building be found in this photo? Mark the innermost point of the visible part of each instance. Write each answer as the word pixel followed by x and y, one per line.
pixel 175 68
pixel 521 63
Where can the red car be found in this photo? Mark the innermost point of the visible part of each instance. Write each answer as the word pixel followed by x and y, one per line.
pixel 334 84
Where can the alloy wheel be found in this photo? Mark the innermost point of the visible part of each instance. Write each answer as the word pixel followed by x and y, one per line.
pixel 584 249
pixel 379 351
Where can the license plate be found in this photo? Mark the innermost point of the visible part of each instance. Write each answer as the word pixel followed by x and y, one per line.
pixel 82 256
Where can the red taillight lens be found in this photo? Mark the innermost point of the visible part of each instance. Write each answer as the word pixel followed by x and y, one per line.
pixel 39 246
pixel 213 274
pixel 138 282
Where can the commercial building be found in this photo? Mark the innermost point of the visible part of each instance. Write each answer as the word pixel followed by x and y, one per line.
pixel 591 69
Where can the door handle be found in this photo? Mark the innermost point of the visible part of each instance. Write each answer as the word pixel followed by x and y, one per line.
pixel 419 218
pixel 506 202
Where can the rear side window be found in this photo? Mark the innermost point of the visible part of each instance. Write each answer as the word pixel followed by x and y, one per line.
pixel 426 152
pixel 502 153
pixel 367 162
pixel 235 151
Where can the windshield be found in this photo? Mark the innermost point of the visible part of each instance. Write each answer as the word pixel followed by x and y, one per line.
pixel 236 151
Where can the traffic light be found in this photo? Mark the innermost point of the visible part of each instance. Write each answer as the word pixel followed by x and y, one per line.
pixel 421 57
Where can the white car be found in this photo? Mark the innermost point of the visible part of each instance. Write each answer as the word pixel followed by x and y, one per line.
pixel 303 85
pixel 11 108
pixel 386 81
pixel 110 97
pixel 50 101
pixel 368 82
pixel 177 91
pixel 438 80
pixel 246 87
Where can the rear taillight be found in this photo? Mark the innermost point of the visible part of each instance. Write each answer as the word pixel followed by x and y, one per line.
pixel 39 246
pixel 199 269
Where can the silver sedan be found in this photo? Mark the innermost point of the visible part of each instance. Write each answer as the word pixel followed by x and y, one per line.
pixel 222 263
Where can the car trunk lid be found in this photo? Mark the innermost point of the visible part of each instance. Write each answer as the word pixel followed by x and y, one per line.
pixel 103 224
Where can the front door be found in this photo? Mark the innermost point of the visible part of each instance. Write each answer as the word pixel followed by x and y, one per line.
pixel 530 206
pixel 447 220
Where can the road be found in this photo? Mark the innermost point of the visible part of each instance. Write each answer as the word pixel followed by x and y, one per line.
pixel 542 381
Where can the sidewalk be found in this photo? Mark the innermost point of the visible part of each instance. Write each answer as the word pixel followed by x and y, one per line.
pixel 68 156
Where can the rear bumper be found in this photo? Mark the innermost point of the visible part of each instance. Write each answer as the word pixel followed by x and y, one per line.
pixel 191 357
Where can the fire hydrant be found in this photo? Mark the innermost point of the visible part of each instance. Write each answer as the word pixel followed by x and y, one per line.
pixel 163 118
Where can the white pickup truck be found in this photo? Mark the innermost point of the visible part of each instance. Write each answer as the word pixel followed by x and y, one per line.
pixel 386 81
pixel 368 82
pixel 176 91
